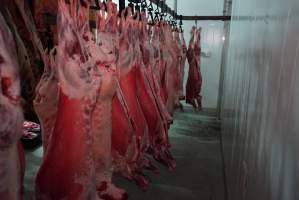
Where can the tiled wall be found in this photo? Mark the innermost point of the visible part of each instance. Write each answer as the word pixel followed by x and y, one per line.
pixel 260 110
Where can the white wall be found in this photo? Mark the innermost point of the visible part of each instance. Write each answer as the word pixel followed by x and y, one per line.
pixel 260 107
pixel 200 7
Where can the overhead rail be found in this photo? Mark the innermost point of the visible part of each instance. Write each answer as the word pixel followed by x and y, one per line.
pixel 198 18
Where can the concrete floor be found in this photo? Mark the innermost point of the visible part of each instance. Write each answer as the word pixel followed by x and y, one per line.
pixel 195 139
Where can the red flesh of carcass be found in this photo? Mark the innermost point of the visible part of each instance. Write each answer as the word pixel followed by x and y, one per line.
pixel 194 82
pixel 66 174
pixel 82 132
pixel 12 163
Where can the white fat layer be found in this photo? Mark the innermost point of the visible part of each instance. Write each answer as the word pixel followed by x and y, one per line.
pixel 10 111
pixel 75 78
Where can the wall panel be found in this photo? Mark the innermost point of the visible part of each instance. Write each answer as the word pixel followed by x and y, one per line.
pixel 260 107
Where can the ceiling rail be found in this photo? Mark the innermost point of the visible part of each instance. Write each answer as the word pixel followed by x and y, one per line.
pixel 198 18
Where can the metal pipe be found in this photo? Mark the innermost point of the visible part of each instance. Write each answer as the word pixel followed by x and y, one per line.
pixel 227 11
pixel 176 6
pixel 193 18
pixel 227 7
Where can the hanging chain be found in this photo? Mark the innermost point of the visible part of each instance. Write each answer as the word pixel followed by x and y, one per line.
pixel 143 6
pixel 157 12
pixel 137 7
pixel 150 9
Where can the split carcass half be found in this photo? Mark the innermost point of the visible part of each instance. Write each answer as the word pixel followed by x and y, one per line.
pixel 194 82
pixel 77 164
pixel 11 117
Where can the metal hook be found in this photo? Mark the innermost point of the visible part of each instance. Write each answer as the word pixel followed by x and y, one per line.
pixel 137 7
pixel 181 24
pixel 143 5
pixel 150 14
pixel 150 6
pixel 157 12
